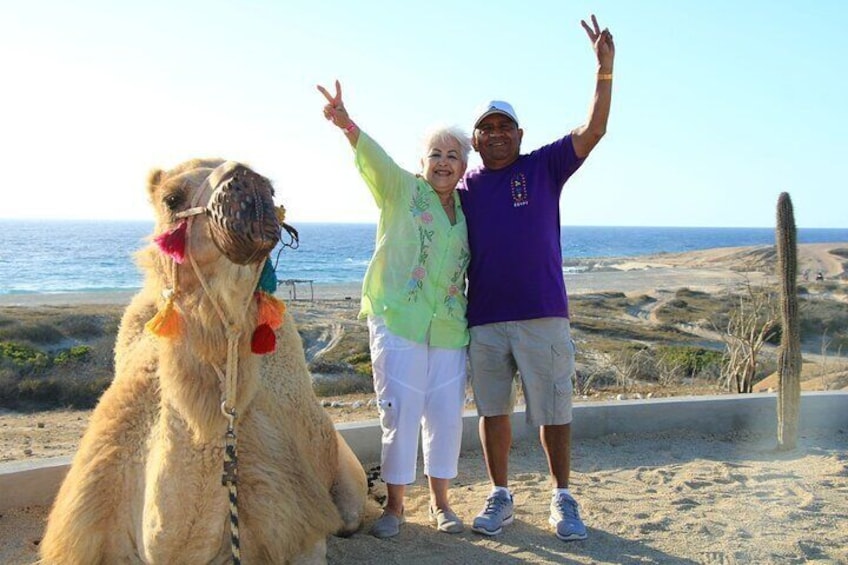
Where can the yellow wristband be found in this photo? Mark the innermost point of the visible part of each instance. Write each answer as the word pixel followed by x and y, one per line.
pixel 605 76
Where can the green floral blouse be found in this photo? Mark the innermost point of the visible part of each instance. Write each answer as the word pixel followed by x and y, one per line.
pixel 416 278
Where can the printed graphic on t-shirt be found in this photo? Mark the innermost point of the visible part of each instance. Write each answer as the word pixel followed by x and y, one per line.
pixel 518 187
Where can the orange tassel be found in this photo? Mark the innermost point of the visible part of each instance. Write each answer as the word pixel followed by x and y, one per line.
pixel 167 322
pixel 271 310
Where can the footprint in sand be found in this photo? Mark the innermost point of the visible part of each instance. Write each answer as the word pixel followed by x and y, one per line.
pixel 654 477
pixel 717 558
pixel 661 525
pixel 685 504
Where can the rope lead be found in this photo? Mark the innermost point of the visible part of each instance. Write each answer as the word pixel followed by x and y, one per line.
pixel 229 479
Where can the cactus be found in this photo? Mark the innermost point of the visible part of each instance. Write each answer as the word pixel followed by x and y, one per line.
pixel 789 364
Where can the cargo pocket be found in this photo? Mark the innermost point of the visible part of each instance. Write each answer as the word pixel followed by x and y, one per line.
pixel 563 368
pixel 388 413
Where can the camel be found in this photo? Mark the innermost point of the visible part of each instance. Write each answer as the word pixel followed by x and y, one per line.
pixel 207 407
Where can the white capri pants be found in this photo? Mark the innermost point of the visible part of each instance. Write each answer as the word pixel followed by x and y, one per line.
pixel 417 387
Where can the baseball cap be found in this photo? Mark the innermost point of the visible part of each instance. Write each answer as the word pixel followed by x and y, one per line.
pixel 495 107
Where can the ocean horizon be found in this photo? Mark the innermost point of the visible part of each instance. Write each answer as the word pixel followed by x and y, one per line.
pixel 62 256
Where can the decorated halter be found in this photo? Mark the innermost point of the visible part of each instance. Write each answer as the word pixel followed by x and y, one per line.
pixel 228 227
pixel 174 244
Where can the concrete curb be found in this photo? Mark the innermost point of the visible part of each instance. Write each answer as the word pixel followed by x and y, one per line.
pixel 31 483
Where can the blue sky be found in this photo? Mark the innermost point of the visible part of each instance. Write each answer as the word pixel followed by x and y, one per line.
pixel 717 106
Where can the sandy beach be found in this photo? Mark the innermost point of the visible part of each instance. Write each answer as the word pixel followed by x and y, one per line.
pixel 661 498
pixel 657 498
pixel 650 499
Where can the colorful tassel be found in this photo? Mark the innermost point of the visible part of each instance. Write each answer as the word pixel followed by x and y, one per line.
pixel 271 310
pixel 167 322
pixel 263 341
pixel 173 243
pixel 268 278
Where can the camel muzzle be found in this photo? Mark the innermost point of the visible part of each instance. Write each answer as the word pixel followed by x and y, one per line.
pixel 242 220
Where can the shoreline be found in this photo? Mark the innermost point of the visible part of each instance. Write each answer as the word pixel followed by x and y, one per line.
pixel 321 291
pixel 706 270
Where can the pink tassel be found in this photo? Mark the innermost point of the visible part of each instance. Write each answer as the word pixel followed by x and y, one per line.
pixel 263 341
pixel 173 243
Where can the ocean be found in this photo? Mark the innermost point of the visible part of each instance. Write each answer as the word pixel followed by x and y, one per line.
pixel 96 256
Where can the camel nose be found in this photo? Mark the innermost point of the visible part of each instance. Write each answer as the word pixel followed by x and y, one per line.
pixel 242 219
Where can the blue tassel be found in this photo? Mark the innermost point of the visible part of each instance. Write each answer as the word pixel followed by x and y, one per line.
pixel 268 279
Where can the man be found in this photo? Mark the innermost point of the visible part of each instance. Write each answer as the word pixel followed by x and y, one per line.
pixel 518 307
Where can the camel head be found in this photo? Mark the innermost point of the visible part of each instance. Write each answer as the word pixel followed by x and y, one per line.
pixel 216 225
pixel 235 203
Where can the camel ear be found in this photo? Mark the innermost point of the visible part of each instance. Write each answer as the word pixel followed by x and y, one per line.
pixel 154 178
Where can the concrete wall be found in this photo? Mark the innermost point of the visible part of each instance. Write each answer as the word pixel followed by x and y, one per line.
pixel 29 483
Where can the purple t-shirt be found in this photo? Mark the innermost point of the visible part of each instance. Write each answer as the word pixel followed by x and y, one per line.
pixel 513 236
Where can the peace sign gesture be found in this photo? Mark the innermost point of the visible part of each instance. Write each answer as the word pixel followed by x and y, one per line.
pixel 602 43
pixel 334 110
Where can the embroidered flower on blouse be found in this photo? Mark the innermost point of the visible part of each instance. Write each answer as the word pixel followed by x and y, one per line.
pixel 426 217
pixel 415 283
pixel 452 299
pixel 454 291
pixel 419 205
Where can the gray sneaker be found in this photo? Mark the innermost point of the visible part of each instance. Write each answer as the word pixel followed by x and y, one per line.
pixel 565 518
pixel 387 526
pixel 447 522
pixel 496 515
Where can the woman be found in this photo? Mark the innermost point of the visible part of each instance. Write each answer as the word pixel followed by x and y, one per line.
pixel 414 298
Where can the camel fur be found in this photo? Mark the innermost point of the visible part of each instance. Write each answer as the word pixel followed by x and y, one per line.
pixel 145 485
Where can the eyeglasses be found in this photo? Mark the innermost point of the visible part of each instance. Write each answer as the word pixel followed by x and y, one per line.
pixel 503 127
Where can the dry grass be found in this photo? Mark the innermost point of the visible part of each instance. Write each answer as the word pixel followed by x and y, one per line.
pixel 62 355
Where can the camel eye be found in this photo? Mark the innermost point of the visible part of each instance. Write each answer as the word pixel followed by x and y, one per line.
pixel 174 200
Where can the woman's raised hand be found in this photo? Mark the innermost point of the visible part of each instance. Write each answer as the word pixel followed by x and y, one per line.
pixel 334 110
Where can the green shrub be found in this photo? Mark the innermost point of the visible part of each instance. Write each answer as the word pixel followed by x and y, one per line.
pixel 362 357
pixel 364 369
pixel 24 356
pixel 75 353
pixel 693 360
pixel 361 363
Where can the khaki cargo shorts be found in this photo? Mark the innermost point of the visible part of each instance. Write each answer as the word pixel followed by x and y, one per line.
pixel 541 352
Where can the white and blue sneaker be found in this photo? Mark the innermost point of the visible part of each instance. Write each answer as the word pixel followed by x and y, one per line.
pixel 565 518
pixel 496 514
